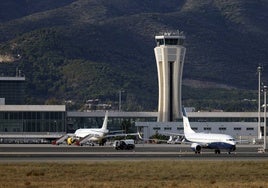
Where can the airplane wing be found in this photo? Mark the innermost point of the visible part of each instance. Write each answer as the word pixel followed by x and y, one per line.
pixel 170 133
pixel 122 134
pixel 117 131
pixel 153 140
pixel 171 140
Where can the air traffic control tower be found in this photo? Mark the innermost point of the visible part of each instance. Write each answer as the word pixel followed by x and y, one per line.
pixel 169 54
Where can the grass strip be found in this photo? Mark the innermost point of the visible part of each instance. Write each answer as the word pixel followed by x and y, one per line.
pixel 135 174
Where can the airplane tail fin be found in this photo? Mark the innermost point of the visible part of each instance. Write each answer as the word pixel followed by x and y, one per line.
pixel 186 123
pixel 105 121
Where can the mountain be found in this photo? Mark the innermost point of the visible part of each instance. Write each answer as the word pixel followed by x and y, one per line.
pixel 85 49
pixel 10 10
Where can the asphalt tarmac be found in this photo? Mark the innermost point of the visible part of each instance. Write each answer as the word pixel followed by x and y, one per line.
pixel 65 153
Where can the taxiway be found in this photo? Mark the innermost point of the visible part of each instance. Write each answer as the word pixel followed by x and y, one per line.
pixel 46 153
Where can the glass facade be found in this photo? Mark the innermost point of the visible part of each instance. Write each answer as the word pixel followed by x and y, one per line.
pixel 31 118
pixel 171 41
pixel 12 89
pixel 32 122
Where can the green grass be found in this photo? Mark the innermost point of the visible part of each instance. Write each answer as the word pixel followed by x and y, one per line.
pixel 135 174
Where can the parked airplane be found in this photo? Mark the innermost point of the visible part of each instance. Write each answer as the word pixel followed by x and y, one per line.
pixel 207 140
pixel 90 135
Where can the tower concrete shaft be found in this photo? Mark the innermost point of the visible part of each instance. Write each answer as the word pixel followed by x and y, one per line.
pixel 169 54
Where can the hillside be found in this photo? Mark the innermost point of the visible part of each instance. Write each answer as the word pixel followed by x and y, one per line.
pixel 83 49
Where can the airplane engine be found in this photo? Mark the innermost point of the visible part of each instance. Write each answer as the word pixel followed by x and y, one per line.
pixel 196 147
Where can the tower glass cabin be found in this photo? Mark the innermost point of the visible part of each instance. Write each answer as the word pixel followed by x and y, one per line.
pixel 169 55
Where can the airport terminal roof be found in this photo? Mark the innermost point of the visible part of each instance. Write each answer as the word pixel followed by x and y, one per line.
pixel 62 108
pixel 111 114
pixel 28 108
pixel 223 114
pixel 154 114
pixel 12 78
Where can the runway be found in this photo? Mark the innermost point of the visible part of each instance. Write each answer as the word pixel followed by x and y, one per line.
pixel 65 153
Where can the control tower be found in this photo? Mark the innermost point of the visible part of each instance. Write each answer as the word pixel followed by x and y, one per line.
pixel 169 55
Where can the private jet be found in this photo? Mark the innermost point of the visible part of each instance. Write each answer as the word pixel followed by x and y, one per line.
pixel 214 141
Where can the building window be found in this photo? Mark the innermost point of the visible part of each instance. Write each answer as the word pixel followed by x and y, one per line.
pixel 222 128
pixel 237 128
pixel 195 128
pixel 250 128
pixel 156 128
pixel 207 128
pixel 179 128
pixel 167 128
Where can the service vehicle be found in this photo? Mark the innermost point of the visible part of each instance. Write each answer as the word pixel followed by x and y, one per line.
pixel 127 144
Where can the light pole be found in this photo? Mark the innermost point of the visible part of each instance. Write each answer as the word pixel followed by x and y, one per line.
pixel 264 129
pixel 259 69
pixel 120 99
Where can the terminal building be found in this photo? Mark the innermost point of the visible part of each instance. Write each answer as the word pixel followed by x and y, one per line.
pixel 31 122
pixel 238 124
pixel 52 121
pixel 32 118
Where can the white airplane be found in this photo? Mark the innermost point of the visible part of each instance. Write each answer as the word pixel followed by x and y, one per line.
pixel 207 140
pixel 90 135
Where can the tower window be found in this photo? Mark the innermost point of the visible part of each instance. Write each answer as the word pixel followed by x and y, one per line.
pixel 159 42
pixel 171 41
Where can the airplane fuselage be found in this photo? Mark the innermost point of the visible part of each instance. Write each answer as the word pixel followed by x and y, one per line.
pixel 212 141
pixel 95 134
